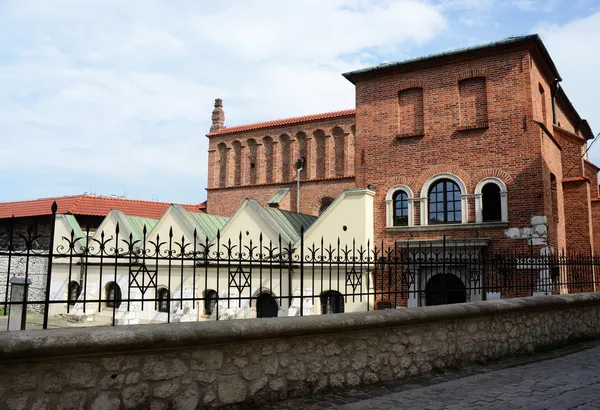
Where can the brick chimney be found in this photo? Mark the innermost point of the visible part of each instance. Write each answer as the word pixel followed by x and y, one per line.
pixel 218 116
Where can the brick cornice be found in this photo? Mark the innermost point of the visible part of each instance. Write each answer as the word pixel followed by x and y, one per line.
pixel 293 181
pixel 569 135
pixel 576 179
pixel 596 167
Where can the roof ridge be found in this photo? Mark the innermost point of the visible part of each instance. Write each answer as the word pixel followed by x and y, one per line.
pixel 42 199
pixel 284 121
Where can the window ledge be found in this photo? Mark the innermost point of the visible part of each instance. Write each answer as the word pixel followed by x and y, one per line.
pixel 447 227
pixel 411 134
pixel 477 126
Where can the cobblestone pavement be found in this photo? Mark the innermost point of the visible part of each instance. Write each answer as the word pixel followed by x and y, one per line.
pixel 568 378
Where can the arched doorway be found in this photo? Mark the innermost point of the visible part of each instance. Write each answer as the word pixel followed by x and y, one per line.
pixel 445 289
pixel 266 305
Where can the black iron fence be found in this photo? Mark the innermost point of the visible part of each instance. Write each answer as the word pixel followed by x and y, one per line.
pixel 86 277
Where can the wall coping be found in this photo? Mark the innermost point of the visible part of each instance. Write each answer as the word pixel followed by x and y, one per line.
pixel 64 342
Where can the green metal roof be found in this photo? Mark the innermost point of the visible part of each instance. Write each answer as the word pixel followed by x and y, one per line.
pixel 135 224
pixel 74 226
pixel 206 224
pixel 352 75
pixel 288 224
pixel 279 195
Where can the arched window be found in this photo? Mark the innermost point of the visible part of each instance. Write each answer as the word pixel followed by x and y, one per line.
pixel 492 205
pixel 399 206
pixel 400 200
pixel 162 300
pixel 74 292
pixel 210 301
pixel 332 301
pixel 266 305
pixel 445 202
pixel 491 201
pixel 325 202
pixel 113 295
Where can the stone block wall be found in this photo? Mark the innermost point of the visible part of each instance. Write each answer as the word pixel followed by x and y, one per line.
pixel 214 364
pixel 36 266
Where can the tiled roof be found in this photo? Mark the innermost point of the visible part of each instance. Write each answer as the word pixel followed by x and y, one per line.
pixel 284 121
pixel 92 205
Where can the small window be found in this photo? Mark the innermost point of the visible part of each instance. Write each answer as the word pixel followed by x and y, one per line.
pixel 113 295
pixel 491 203
pixel 74 292
pixel 332 302
pixel 162 300
pixel 210 301
pixel 400 200
pixel 445 203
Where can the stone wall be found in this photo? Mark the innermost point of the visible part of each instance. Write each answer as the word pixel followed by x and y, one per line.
pixel 36 267
pixel 212 364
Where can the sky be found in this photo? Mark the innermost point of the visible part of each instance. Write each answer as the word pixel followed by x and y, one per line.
pixel 114 97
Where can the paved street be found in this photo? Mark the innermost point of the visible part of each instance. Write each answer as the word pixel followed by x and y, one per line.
pixel 565 379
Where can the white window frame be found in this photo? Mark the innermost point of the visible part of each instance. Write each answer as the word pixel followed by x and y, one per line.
pixel 424 200
pixel 479 198
pixel 389 206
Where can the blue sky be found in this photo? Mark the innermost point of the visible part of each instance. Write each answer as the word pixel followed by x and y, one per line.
pixel 114 97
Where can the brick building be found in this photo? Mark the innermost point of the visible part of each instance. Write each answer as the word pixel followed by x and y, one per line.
pixel 479 144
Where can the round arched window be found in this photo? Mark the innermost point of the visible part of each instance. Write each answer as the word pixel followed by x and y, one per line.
pixel 400 200
pixel 444 202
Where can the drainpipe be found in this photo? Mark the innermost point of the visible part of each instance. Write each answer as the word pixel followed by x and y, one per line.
pixel 299 168
pixel 554 92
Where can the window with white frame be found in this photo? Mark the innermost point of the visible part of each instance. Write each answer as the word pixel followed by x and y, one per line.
pixel 444 200
pixel 399 206
pixel 491 201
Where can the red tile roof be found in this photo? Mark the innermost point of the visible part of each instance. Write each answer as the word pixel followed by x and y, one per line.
pixel 284 121
pixel 88 205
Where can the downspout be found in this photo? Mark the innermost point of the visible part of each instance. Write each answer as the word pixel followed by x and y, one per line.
pixel 299 168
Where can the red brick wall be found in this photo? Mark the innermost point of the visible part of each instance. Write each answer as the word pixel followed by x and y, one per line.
pixel 410 107
pixel 578 215
pixel 509 148
pixel 596 225
pixel 224 201
pixel 591 171
pixel 262 147
pixel 553 197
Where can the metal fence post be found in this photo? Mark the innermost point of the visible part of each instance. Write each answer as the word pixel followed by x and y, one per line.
pixel 49 271
pixel 301 270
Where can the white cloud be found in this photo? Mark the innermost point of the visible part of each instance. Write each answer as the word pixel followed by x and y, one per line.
pixel 106 90
pixel 573 48
pixel 534 5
